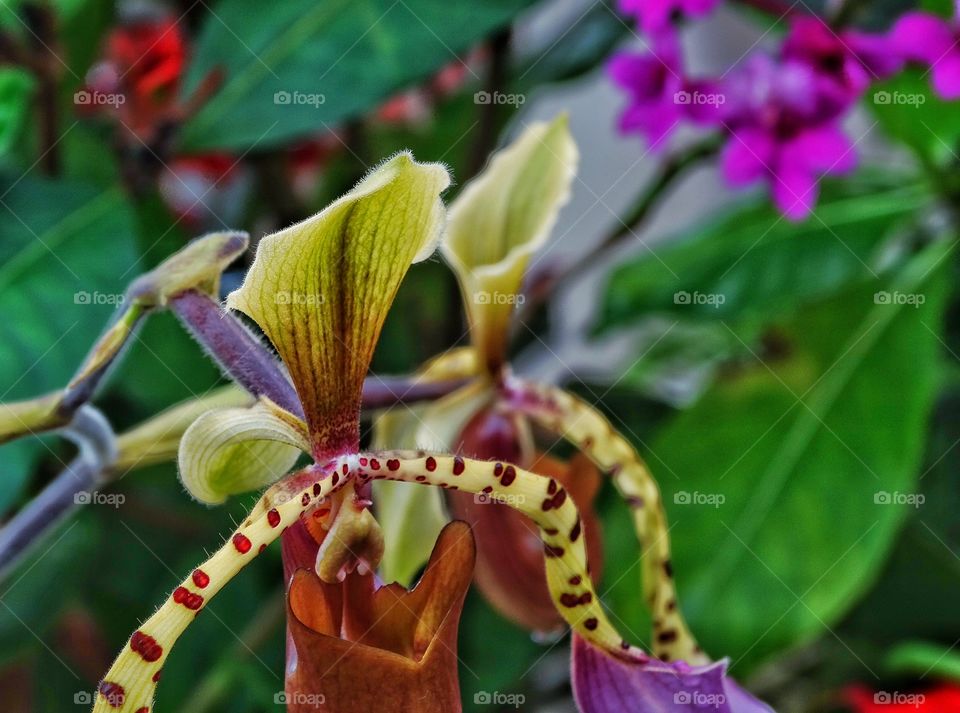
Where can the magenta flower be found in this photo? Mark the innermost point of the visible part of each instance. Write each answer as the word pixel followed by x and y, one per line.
pixel 661 97
pixel 932 41
pixel 604 684
pixel 655 16
pixel 651 80
pixel 848 60
pixel 785 129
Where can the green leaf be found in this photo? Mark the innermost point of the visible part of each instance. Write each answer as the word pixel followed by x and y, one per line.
pixel 340 57
pixel 65 249
pixel 909 111
pixel 775 481
pixel 16 88
pixel 923 659
pixel 923 573
pixel 31 602
pixel 755 263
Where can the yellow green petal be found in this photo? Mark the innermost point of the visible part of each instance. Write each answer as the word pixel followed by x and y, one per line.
pixel 235 450
pixel 500 219
pixel 321 289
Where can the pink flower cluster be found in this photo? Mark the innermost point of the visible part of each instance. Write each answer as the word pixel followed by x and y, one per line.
pixel 782 113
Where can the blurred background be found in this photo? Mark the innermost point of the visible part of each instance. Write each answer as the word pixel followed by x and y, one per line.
pixel 794 385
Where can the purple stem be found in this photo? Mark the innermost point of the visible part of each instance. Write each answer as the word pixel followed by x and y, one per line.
pixel 247 360
pixel 243 357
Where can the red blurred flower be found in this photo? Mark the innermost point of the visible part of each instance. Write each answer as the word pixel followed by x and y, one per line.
pixel 935 700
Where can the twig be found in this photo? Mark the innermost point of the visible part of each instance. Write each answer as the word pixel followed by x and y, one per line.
pixel 75 484
pixel 494 83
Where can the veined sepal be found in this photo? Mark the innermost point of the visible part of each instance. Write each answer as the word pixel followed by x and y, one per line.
pixel 499 220
pixel 321 289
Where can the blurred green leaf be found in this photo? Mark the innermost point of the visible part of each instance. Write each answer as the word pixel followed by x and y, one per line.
pixel 923 659
pixel 352 53
pixel 921 578
pixel 64 249
pixel 910 112
pixel 516 653
pixel 755 263
pixel 16 89
pixel 776 481
pixel 30 601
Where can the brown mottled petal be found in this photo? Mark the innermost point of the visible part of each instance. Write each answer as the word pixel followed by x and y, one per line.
pixel 398 647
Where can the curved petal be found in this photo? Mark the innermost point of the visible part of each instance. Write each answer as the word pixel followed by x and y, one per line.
pixel 946 76
pixel 545 502
pixel 603 684
pixel 321 289
pixel 235 450
pixel 131 682
pixel 585 427
pixel 500 219
pixel 922 37
pixel 158 438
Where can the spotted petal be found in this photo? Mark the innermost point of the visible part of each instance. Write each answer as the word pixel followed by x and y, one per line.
pixel 500 219
pixel 413 517
pixel 321 289
pixel 236 450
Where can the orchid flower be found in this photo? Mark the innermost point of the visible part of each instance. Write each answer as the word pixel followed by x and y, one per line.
pixel 495 226
pixel 320 291
pixel 932 41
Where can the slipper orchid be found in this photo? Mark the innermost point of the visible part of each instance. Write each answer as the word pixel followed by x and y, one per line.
pixel 320 291
pixel 495 225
